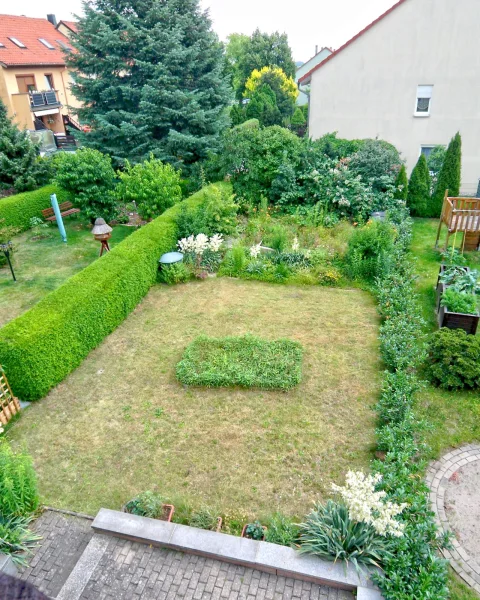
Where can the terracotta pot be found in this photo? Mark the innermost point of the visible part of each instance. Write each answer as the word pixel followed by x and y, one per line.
pixel 168 510
pixel 245 528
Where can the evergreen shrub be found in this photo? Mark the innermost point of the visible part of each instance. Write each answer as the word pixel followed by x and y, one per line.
pixel 453 361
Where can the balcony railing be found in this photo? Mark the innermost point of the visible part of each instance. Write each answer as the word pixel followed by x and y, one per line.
pixel 43 99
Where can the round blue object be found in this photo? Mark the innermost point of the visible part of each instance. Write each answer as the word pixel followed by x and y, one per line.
pixel 171 258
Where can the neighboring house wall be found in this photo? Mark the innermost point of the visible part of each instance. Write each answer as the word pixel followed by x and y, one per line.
pixel 305 68
pixel 369 88
pixel 66 27
pixel 18 104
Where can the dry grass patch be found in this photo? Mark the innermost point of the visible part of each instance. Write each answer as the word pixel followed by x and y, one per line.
pixel 121 423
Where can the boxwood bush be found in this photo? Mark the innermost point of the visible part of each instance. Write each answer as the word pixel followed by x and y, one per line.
pixel 454 359
pixel 17 210
pixel 413 569
pixel 42 346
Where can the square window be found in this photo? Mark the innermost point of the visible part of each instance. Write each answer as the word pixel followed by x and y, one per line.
pixel 423 101
pixel 426 150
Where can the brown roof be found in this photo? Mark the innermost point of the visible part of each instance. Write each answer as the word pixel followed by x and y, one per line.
pixel 28 31
pixel 72 25
pixel 332 56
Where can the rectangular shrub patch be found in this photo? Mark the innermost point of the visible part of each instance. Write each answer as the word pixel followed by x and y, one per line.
pixel 245 361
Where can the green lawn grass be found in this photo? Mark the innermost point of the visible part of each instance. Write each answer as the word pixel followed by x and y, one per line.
pixel 454 416
pixel 121 423
pixel 246 361
pixel 42 265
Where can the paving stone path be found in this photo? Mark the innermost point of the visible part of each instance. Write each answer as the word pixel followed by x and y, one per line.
pixel 442 474
pixel 64 538
pixel 134 571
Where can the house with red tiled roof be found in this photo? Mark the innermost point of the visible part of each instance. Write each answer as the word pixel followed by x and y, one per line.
pixel 67 27
pixel 34 80
pixel 412 77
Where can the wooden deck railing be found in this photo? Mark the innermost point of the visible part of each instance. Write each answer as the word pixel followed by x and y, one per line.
pixel 461 215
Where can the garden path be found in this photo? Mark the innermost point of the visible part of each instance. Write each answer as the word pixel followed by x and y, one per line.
pixel 454 482
pixel 129 570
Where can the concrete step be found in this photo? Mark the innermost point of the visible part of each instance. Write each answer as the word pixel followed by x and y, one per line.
pixel 83 570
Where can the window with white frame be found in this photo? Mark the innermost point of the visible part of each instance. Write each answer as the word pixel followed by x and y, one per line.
pixel 426 150
pixel 423 101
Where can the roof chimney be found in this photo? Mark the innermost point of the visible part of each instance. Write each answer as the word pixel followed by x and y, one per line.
pixel 52 19
pixel 316 50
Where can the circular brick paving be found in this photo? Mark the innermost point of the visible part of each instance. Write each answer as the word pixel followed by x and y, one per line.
pixel 439 475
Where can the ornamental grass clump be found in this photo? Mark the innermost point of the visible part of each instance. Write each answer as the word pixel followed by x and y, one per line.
pixel 329 533
pixel 358 529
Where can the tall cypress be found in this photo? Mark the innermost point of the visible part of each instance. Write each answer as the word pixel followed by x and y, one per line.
pixel 18 155
pixel 449 177
pixel 401 184
pixel 418 198
pixel 151 78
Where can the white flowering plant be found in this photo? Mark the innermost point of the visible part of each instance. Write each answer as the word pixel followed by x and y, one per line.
pixel 202 251
pixel 360 529
pixel 255 250
pixel 366 505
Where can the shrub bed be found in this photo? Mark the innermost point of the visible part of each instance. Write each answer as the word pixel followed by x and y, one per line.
pixel 42 346
pixel 19 209
pixel 413 569
pixel 454 359
pixel 246 361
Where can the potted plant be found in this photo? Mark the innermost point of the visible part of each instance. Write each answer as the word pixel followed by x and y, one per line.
pixel 254 531
pixel 149 504
pixel 458 310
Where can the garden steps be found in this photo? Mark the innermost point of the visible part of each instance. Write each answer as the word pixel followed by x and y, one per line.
pixel 262 556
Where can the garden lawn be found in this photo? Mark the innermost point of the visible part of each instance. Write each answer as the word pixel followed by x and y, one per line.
pixel 121 423
pixel 454 416
pixel 42 265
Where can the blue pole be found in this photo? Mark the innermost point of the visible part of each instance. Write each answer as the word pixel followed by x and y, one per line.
pixel 58 215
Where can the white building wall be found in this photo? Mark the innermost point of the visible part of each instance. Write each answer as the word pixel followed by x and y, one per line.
pixel 369 89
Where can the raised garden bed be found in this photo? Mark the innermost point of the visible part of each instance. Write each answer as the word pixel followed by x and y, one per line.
pixel 441 287
pixel 452 320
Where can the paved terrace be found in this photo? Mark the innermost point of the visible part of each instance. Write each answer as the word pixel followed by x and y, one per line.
pixel 78 562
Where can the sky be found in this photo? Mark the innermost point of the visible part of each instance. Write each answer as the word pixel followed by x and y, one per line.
pixel 307 22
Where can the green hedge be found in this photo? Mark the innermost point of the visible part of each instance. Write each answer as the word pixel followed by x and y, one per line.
pixel 19 209
pixel 42 346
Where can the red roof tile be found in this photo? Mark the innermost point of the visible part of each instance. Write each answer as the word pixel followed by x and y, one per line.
pixel 72 25
pixel 332 56
pixel 28 31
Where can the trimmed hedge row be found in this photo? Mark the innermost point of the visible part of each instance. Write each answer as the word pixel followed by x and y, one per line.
pixel 42 346
pixel 19 209
pixel 413 571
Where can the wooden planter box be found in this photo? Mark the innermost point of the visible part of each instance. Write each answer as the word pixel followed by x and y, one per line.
pixel 168 510
pixel 441 287
pixel 452 320
pixel 245 529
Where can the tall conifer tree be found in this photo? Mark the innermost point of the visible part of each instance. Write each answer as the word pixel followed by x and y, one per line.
pixel 449 177
pixel 18 155
pixel 151 78
pixel 418 197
